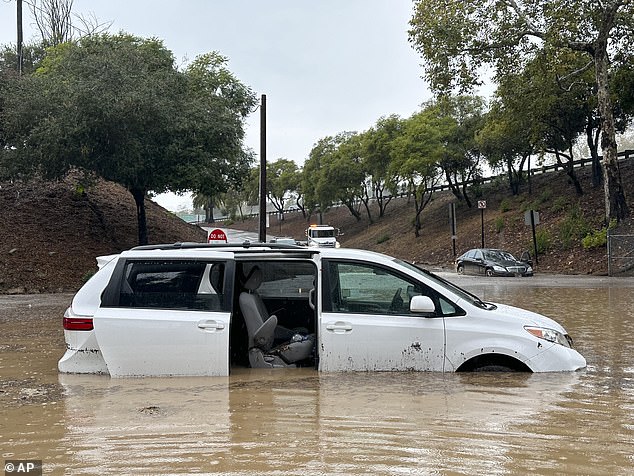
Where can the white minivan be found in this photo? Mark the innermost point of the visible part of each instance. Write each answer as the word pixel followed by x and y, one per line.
pixel 198 309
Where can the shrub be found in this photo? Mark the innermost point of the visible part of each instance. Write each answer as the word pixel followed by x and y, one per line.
pixel 536 204
pixel 597 238
pixel 505 205
pixel 544 241
pixel 499 224
pixel 560 204
pixel 545 196
pixel 573 228
pixel 382 239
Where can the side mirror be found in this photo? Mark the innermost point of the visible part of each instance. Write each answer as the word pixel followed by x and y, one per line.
pixel 422 305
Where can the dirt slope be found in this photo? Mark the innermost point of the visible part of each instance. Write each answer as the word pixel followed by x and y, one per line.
pixel 50 232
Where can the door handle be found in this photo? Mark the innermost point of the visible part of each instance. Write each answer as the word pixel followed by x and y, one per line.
pixel 339 327
pixel 211 325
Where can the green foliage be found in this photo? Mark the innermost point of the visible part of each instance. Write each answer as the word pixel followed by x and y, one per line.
pixel 544 241
pixel 282 178
pixel 334 172
pixel 557 63
pixel 560 204
pixel 505 205
pixel 116 105
pixel 542 200
pixel 383 238
pixel 79 191
pixel 573 228
pixel 544 197
pixel 499 224
pixel 597 238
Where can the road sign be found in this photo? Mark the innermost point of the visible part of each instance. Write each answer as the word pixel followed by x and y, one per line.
pixel 217 236
pixel 527 217
pixel 482 204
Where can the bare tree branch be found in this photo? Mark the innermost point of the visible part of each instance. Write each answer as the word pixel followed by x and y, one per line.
pixel 561 79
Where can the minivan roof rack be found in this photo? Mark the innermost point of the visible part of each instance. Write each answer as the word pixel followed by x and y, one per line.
pixel 245 244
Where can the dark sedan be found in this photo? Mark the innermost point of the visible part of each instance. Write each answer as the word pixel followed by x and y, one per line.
pixel 492 262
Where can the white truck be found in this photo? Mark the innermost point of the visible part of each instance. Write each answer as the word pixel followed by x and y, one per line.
pixel 322 236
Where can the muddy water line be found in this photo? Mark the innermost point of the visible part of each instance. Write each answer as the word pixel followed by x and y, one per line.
pixel 297 421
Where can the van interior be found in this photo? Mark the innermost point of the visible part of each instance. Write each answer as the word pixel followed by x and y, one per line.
pixel 273 324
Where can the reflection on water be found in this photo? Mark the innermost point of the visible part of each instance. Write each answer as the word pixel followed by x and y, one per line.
pixel 300 422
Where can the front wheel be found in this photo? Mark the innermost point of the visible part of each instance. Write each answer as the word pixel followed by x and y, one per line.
pixel 489 272
pixel 494 368
pixel 460 269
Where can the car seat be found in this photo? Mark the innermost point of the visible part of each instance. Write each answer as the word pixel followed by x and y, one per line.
pixel 261 331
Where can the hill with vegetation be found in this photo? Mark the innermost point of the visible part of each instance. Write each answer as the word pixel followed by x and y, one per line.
pixel 52 231
pixel 565 219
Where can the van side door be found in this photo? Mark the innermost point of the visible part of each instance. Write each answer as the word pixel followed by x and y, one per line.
pixel 167 316
pixel 366 323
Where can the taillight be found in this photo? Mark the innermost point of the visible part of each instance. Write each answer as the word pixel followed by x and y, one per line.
pixel 78 323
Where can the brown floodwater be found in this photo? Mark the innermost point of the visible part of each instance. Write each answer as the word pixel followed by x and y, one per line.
pixel 300 422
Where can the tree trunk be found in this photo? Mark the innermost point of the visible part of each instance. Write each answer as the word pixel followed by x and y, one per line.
pixel 568 167
pixel 593 146
pixel 139 199
pixel 615 202
pixel 209 214
pixel 381 200
pixel 453 187
pixel 353 211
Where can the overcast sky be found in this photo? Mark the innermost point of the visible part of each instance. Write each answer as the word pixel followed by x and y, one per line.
pixel 326 66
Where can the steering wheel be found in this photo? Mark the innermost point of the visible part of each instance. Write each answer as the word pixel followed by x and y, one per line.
pixel 397 301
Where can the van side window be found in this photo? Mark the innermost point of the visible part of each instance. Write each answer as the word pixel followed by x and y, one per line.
pixel 173 284
pixel 363 288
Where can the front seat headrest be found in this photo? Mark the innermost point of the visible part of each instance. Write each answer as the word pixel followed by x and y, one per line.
pixel 254 279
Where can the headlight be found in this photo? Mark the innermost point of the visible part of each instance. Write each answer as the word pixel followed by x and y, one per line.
pixel 529 269
pixel 501 269
pixel 551 335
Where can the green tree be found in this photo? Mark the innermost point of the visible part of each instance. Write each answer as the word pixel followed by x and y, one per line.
pixel 458 38
pixel 344 173
pixel 207 204
pixel 557 115
pixel 333 173
pixel 378 143
pixel 415 158
pixel 32 56
pixel 460 118
pixel 505 141
pixel 282 179
pixel 117 106
pixel 314 200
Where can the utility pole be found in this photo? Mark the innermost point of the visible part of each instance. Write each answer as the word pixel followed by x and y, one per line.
pixel 20 37
pixel 262 226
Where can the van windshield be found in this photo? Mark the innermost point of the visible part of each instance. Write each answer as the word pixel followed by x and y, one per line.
pixel 462 293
